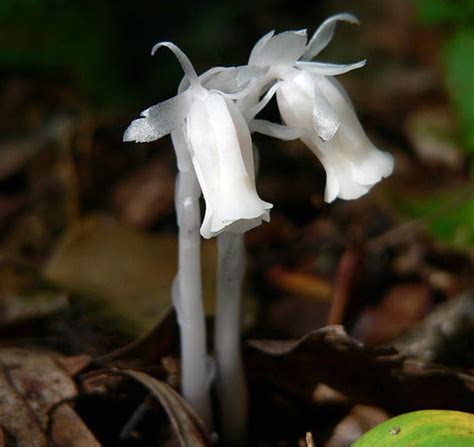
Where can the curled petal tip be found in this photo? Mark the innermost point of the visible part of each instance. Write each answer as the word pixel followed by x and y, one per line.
pixel 346 17
pixel 157 46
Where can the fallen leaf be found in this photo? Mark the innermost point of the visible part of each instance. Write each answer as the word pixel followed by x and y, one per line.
pixel 17 418
pixel 41 391
pixel 124 273
pixel 68 429
pixel 366 375
pixel 187 426
pixel 127 274
pixel 33 384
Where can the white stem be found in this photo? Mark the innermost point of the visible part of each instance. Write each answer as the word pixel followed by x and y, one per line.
pixel 230 380
pixel 187 298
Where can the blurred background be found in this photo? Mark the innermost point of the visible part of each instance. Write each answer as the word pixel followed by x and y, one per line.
pixel 88 232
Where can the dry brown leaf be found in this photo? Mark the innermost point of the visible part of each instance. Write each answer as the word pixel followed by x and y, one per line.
pixel 17 418
pixel 375 376
pixel 32 384
pixel 68 429
pixel 126 273
pixel 187 426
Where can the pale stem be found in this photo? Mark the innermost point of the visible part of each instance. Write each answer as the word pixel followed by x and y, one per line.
pixel 187 299
pixel 230 379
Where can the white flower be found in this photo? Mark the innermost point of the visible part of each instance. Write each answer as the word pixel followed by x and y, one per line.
pixel 318 110
pixel 214 131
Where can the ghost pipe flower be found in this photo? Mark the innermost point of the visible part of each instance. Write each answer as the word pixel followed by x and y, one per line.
pixel 318 110
pixel 210 120
pixel 214 154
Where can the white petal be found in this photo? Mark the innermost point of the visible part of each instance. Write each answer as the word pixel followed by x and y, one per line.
pixel 244 139
pixel 327 69
pixel 339 169
pixel 184 61
pixel 205 160
pixel 181 149
pixel 276 130
pixel 284 48
pixel 324 34
pixel 239 199
pixel 353 165
pixel 302 105
pixel 223 160
pixel 159 120
pixel 256 50
pixel 295 102
pixel 257 108
pixel 250 72
pixel 325 120
pixel 369 165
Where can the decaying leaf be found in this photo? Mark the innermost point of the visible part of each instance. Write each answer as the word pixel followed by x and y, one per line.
pixel 68 429
pixel 33 387
pixel 125 273
pixel 17 418
pixel 374 376
pixel 187 426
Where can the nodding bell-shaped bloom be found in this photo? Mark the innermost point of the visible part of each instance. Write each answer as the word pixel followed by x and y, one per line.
pixel 318 111
pixel 213 131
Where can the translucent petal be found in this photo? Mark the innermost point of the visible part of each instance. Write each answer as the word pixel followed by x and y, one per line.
pixel 325 120
pixel 340 169
pixel 326 69
pixel 244 139
pixel 205 160
pixel 181 149
pixel 159 120
pixel 323 35
pixel 369 165
pixel 276 130
pixel 296 102
pixel 250 72
pixel 221 78
pixel 222 156
pixel 184 61
pixel 257 108
pixel 256 50
pixel 341 89
pixel 284 48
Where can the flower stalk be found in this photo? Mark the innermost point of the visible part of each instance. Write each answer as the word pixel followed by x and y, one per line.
pixel 231 384
pixel 187 293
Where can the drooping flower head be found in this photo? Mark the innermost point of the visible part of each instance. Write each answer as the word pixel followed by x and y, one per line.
pixel 316 107
pixel 207 125
pixel 213 114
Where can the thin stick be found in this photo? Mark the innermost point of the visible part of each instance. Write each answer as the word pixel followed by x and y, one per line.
pixel 136 417
pixel 230 379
